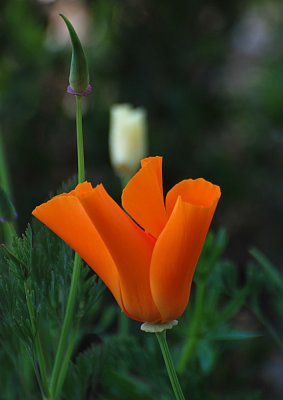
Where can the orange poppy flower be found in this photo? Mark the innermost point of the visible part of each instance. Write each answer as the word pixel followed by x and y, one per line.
pixel 148 265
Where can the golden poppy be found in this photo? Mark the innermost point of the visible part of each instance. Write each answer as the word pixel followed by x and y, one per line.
pixel 146 260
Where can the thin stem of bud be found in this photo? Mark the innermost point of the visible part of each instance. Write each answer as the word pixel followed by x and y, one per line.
pixel 64 351
pixel 80 141
pixel 61 356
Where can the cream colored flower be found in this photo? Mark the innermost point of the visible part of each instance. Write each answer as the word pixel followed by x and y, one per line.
pixel 128 138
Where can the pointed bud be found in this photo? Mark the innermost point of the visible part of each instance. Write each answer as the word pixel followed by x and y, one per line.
pixel 79 76
pixel 128 138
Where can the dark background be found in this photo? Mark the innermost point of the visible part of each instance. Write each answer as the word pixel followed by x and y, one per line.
pixel 209 73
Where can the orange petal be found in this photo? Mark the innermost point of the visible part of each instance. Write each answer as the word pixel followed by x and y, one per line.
pixel 143 197
pixel 80 189
pixel 176 254
pixel 131 249
pixel 195 191
pixel 65 215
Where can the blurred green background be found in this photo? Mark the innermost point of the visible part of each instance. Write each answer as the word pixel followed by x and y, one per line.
pixel 209 73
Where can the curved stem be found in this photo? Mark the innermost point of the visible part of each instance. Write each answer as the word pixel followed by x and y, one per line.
pixel 161 336
pixel 191 342
pixel 60 355
pixel 64 351
pixel 65 365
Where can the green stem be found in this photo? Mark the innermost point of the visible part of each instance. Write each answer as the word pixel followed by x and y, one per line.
pixel 61 351
pixel 9 228
pixel 4 176
pixel 64 351
pixel 64 366
pixel 9 231
pixel 193 336
pixel 161 336
pixel 80 140
pixel 37 342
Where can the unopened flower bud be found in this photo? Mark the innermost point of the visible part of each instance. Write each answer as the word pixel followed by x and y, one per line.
pixel 128 138
pixel 79 76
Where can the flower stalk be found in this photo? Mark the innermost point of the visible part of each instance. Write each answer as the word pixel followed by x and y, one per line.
pixel 65 366
pixel 61 355
pixel 161 337
pixel 64 351
pixel 79 86
pixel 80 140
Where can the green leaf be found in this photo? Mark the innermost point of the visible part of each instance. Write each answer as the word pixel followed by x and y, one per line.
pixel 269 269
pixel 267 324
pixel 7 210
pixel 212 251
pixel 233 306
pixel 19 254
pixel 234 334
pixel 206 355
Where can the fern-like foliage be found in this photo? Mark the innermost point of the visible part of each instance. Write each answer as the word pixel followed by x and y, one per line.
pixel 38 265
